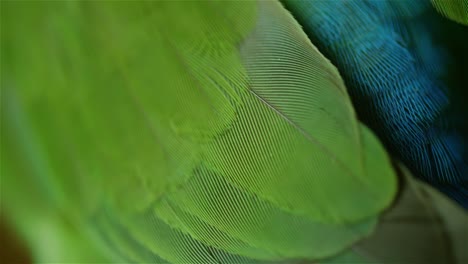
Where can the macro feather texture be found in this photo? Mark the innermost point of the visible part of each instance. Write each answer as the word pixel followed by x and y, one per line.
pixel 395 71
pixel 184 132
pixel 423 226
pixel 456 10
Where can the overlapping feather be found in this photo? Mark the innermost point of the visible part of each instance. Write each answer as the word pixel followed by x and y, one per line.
pixel 422 226
pixel 185 132
pixel 395 72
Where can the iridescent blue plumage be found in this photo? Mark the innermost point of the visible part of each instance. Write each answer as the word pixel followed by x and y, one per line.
pixel 395 73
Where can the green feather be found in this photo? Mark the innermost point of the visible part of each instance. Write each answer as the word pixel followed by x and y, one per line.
pixel 422 226
pixel 456 10
pixel 186 131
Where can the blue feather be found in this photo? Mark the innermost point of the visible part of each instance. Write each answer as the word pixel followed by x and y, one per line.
pixel 394 70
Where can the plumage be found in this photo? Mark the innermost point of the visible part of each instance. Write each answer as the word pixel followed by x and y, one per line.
pixel 456 10
pixel 395 70
pixel 183 132
pixel 423 226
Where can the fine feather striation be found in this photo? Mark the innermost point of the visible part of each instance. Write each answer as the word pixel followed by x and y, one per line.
pixel 456 10
pixel 395 72
pixel 194 132
pixel 422 226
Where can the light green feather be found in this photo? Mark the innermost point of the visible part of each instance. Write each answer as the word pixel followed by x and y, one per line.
pixel 187 131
